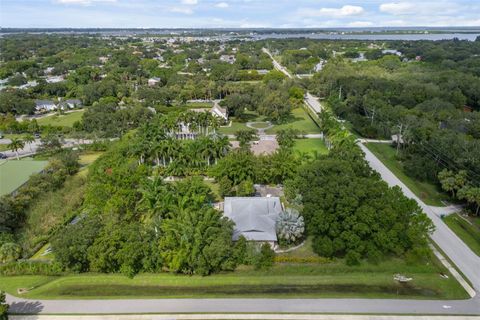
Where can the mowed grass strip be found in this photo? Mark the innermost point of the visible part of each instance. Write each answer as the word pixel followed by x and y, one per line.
pixel 428 192
pixel 468 232
pixel 283 280
pixel 64 120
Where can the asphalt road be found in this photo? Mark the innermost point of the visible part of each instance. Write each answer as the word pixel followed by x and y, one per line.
pixel 461 255
pixel 347 306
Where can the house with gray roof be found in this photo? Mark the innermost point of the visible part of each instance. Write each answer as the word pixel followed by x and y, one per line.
pixel 254 217
pixel 45 105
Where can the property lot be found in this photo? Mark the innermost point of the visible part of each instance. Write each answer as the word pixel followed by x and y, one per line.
pixel 14 173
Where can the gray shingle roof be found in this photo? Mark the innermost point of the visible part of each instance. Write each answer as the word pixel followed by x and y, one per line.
pixel 254 217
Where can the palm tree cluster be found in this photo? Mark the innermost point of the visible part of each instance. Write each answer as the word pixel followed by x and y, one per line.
pixel 181 144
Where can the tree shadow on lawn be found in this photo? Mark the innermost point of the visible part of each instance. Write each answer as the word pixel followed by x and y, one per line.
pixel 25 307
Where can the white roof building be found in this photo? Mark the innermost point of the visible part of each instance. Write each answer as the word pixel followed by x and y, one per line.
pixel 254 217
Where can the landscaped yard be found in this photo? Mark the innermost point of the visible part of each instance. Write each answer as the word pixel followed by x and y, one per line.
pixel 300 120
pixel 312 146
pixel 333 279
pixel 426 191
pixel 65 120
pixel 467 228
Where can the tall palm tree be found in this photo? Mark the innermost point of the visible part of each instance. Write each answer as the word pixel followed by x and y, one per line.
pixel 15 145
pixel 29 139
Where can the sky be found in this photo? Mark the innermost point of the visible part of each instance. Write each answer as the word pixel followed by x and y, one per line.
pixel 237 13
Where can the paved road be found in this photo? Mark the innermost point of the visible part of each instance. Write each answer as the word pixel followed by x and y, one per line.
pixel 461 255
pixel 349 306
pixel 30 149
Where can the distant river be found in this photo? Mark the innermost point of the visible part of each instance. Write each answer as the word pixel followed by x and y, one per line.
pixel 406 37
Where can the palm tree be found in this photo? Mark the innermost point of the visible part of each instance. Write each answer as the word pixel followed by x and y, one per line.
pixel 29 139
pixel 15 145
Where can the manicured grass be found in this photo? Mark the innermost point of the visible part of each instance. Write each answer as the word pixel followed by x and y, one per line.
pixel 233 128
pixel 299 120
pixel 312 146
pixel 426 191
pixel 283 280
pixel 468 231
pixel 260 125
pixel 14 173
pixel 65 120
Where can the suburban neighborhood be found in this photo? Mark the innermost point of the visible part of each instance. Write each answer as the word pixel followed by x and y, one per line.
pixel 204 172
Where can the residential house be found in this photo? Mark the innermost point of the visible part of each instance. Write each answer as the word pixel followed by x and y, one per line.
pixel 45 105
pixel 228 58
pixel 254 217
pixel 153 81
pixel 70 104
pixel 219 112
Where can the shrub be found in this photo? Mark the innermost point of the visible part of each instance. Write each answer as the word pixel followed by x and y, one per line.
pixel 10 252
pixel 25 267
pixel 290 226
pixel 266 257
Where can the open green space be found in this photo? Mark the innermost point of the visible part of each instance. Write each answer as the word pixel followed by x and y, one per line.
pixel 64 120
pixel 283 280
pixel 299 120
pixel 312 146
pixel 14 173
pixel 428 192
pixel 467 229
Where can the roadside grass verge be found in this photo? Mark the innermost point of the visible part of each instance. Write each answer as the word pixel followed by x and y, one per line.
pixel 64 120
pixel 429 193
pixel 468 232
pixel 286 280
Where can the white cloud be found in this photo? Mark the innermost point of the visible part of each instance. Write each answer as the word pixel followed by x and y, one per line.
pixel 183 10
pixel 82 2
pixel 190 2
pixel 398 8
pixel 222 5
pixel 344 11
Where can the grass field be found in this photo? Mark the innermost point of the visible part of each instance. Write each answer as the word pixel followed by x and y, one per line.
pixel 468 229
pixel 14 173
pixel 428 192
pixel 283 280
pixel 66 120
pixel 311 146
pixel 299 120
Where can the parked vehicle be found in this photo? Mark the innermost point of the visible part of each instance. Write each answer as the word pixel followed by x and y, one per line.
pixel 3 156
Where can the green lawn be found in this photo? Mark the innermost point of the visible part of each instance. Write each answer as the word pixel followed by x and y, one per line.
pixel 66 120
pixel 426 191
pixel 14 173
pixel 299 120
pixel 233 128
pixel 333 279
pixel 311 146
pixel 467 230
